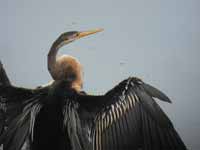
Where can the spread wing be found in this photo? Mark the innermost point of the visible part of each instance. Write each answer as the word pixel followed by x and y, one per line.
pixel 3 76
pixel 18 110
pixel 19 123
pixel 130 118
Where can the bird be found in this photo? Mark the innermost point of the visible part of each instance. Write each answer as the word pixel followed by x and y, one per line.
pixel 62 116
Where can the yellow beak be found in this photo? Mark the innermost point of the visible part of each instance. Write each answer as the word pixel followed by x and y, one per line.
pixel 86 33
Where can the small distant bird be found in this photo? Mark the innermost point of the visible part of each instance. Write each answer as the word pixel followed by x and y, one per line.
pixel 61 116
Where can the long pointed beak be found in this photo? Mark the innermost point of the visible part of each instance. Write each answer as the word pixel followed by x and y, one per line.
pixel 86 33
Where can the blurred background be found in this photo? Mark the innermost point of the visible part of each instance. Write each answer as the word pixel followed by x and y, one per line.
pixel 155 40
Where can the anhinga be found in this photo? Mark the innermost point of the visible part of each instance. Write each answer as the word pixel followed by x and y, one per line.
pixel 60 116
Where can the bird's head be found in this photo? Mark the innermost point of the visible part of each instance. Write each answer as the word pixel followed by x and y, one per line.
pixel 67 67
pixel 71 36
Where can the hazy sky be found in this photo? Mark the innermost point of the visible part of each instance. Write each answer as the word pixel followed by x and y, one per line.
pixel 156 40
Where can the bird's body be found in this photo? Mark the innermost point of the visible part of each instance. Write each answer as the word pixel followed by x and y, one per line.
pixel 61 116
pixel 48 132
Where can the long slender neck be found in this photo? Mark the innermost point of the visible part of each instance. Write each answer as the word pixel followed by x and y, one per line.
pixel 52 57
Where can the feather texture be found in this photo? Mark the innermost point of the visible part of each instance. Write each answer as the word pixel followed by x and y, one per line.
pixel 126 117
pixel 129 118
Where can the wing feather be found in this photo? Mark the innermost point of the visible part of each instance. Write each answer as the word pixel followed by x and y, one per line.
pixel 20 120
pixel 152 91
pixel 129 117
pixel 4 80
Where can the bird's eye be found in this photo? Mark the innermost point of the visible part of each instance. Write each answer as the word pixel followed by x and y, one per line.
pixel 73 36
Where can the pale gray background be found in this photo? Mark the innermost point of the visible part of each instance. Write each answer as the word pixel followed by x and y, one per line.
pixel 155 40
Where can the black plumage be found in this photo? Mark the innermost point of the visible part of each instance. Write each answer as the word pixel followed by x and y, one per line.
pixel 60 116
pixel 57 117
